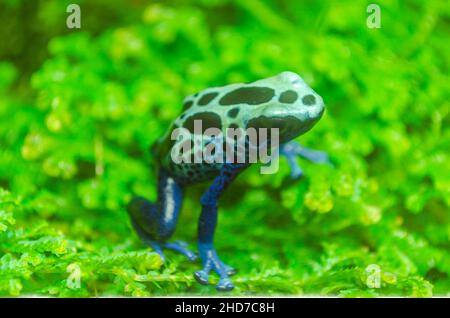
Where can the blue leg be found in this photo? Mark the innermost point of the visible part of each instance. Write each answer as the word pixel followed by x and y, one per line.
pixel 155 223
pixel 207 226
pixel 291 150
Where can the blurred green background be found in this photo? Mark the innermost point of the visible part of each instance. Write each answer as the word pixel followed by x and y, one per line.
pixel 80 108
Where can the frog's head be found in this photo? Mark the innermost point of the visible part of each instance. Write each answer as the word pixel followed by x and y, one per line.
pixel 293 109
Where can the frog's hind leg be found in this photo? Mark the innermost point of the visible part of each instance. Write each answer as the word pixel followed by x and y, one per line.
pixel 158 247
pixel 155 223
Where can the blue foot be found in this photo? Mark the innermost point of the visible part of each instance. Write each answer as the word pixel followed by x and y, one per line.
pixel 211 262
pixel 229 270
pixel 315 156
pixel 158 247
pixel 292 150
pixel 180 247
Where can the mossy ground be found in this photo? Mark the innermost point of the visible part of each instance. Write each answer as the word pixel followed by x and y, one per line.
pixel 79 110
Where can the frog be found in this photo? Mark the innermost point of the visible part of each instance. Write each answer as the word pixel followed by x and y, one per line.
pixel 283 102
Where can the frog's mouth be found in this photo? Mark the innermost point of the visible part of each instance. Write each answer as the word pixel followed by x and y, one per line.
pixel 288 127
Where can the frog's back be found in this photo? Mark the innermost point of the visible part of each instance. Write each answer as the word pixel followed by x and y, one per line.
pixel 185 172
pixel 215 107
pixel 189 171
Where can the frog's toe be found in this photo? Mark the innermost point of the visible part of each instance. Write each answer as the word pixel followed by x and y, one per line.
pixel 224 284
pixel 229 270
pixel 202 277
pixel 182 243
pixel 212 263
pixel 157 249
pixel 292 149
pixel 317 156
pixel 180 247
pixel 296 171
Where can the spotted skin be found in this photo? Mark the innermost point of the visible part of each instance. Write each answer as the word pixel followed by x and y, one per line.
pixel 283 101
pixel 232 113
pixel 264 99
pixel 207 98
pixel 247 95
pixel 288 97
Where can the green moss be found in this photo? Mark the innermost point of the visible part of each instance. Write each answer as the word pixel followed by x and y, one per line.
pixel 75 135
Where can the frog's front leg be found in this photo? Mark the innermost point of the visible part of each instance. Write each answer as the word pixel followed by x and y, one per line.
pixel 207 226
pixel 291 150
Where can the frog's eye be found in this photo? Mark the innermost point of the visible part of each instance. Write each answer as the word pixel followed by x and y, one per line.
pixel 291 77
pixel 294 78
